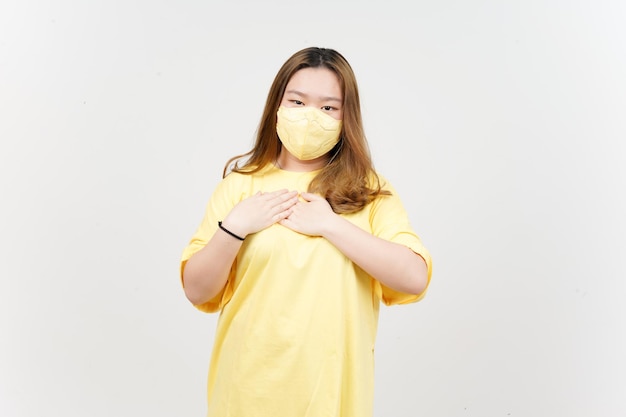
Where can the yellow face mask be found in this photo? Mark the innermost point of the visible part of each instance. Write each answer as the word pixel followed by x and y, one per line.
pixel 306 132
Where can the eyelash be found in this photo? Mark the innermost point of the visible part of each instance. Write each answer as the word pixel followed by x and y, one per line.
pixel 325 108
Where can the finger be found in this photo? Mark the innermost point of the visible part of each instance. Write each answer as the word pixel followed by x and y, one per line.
pixel 268 196
pixel 284 208
pixel 283 197
pixel 311 197
pixel 281 215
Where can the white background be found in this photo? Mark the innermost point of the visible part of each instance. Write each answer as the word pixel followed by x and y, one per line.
pixel 501 124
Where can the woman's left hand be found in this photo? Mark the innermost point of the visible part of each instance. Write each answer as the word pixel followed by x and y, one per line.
pixel 310 216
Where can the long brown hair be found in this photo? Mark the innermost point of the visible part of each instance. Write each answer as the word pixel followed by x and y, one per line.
pixel 349 181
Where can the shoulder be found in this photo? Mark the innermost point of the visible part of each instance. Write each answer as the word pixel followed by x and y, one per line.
pixel 376 179
pixel 237 182
pixel 235 178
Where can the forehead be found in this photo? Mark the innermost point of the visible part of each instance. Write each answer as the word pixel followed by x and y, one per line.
pixel 320 82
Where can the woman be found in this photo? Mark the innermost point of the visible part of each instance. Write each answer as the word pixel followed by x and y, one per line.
pixel 297 248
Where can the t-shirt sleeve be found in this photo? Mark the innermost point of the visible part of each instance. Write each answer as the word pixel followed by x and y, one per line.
pixel 221 202
pixel 389 220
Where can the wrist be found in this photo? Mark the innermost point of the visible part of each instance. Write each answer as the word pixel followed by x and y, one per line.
pixel 333 226
pixel 230 232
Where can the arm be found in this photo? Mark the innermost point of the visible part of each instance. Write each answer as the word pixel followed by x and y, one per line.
pixel 392 264
pixel 206 272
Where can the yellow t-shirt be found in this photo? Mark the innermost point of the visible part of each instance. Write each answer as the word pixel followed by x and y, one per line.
pixel 298 319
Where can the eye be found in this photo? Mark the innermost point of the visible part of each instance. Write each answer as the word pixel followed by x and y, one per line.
pixel 297 102
pixel 327 108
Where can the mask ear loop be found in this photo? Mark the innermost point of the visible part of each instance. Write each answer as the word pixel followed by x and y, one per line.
pixel 336 152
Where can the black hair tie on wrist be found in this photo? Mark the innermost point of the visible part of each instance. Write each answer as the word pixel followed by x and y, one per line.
pixel 228 231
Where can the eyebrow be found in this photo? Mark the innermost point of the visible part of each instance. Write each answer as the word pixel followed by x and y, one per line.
pixel 323 98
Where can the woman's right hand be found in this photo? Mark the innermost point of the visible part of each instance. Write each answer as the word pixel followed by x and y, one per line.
pixel 260 211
